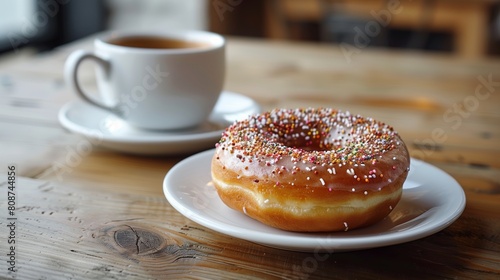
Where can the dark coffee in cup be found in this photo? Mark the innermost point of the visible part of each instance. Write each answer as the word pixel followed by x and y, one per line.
pixel 150 42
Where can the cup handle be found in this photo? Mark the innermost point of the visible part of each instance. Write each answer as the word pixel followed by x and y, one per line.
pixel 71 74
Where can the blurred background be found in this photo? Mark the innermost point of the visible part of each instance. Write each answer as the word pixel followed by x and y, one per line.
pixel 465 28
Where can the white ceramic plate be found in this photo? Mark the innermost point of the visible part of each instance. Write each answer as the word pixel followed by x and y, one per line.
pixel 431 201
pixel 105 129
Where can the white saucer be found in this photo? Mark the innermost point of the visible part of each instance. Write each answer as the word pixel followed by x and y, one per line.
pixel 431 201
pixel 105 129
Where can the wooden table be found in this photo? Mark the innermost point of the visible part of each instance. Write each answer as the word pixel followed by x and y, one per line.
pixel 97 214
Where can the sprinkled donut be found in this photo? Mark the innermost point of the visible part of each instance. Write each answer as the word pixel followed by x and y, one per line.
pixel 311 170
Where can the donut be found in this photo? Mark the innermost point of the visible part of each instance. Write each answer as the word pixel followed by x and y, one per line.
pixel 310 169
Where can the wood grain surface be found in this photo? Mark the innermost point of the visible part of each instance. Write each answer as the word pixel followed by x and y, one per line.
pixel 97 214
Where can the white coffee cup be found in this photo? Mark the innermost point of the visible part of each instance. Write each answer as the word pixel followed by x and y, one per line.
pixel 160 81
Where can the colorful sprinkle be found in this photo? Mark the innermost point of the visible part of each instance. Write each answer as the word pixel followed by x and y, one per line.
pixel 317 142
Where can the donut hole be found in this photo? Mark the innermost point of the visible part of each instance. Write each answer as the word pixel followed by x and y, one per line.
pixel 314 139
